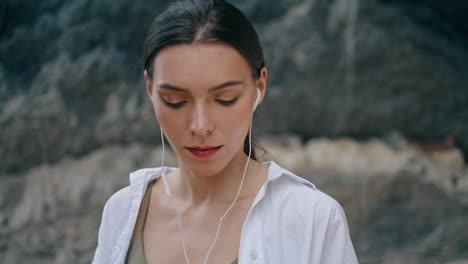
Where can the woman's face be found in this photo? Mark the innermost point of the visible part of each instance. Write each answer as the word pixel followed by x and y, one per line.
pixel 203 96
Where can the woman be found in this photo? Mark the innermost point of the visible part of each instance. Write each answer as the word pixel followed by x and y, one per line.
pixel 205 74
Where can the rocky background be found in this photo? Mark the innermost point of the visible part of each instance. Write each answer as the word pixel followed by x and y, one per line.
pixel 367 99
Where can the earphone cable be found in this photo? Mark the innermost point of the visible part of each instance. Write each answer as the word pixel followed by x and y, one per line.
pixel 168 192
pixel 237 195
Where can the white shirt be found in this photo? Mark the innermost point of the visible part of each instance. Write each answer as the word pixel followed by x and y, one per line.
pixel 290 221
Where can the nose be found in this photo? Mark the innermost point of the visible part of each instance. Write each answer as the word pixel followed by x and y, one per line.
pixel 200 123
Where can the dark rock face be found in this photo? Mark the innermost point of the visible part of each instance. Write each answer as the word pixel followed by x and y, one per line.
pixel 70 79
pixel 363 74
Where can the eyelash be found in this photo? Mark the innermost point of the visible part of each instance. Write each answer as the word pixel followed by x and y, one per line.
pixel 180 104
pixel 176 105
pixel 230 102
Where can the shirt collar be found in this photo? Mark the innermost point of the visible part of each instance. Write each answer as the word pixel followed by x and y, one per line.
pixel 142 177
pixel 275 172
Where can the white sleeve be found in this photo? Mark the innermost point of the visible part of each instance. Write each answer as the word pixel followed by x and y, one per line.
pixel 337 245
pixel 326 237
pixel 101 255
pixel 114 218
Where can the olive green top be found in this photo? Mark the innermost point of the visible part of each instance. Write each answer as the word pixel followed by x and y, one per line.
pixel 136 254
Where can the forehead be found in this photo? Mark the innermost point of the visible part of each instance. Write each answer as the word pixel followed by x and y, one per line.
pixel 199 65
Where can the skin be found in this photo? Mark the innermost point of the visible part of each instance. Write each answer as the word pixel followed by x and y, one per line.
pixel 206 76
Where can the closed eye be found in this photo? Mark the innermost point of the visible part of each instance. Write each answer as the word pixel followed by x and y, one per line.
pixel 174 105
pixel 227 102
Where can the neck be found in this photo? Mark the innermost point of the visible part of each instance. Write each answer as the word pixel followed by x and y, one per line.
pixel 219 188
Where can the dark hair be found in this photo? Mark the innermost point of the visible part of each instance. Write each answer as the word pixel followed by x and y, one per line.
pixel 204 21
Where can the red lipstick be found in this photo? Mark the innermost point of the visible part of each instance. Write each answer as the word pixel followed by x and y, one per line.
pixel 203 152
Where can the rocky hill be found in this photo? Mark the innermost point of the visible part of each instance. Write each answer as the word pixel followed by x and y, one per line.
pixel 70 80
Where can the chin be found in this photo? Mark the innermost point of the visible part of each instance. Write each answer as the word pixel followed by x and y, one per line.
pixel 205 168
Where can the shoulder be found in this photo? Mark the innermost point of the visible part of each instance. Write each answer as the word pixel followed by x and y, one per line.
pixel 296 203
pixel 113 220
pixel 314 203
pixel 118 210
pixel 312 223
pixel 296 193
pixel 118 202
pixel 304 201
pixel 115 215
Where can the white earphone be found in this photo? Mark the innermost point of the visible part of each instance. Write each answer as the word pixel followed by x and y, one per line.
pixel 257 99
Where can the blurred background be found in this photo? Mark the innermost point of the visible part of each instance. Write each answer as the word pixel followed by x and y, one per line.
pixel 366 99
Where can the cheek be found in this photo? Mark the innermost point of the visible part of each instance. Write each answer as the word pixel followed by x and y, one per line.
pixel 170 122
pixel 235 124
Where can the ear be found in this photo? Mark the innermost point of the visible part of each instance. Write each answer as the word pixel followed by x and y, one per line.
pixel 149 85
pixel 262 83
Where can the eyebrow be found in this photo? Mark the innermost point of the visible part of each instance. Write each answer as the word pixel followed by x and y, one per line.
pixel 167 86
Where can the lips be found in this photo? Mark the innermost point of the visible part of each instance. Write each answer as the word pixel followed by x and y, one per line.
pixel 204 152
